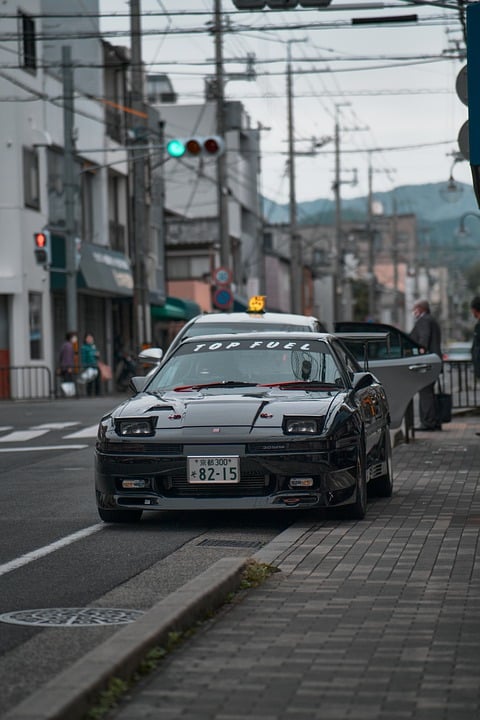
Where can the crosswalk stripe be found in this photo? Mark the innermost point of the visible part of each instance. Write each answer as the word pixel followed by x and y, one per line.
pixel 54 425
pixel 87 432
pixel 22 435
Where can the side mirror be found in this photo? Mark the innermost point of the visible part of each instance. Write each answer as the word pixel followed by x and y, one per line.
pixel 137 383
pixel 151 355
pixel 362 380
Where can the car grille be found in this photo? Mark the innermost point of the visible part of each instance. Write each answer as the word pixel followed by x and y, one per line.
pixel 252 483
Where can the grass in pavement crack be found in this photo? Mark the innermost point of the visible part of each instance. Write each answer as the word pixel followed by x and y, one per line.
pixel 254 575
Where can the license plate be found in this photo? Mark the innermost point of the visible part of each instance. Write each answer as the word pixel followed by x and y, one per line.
pixel 213 470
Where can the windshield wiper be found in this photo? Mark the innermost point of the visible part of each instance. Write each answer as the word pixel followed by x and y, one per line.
pixel 221 384
pixel 303 384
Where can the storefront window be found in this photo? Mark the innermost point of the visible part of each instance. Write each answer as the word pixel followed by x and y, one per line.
pixel 35 325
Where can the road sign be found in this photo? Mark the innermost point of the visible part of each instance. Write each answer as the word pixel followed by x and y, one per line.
pixel 461 85
pixel 464 140
pixel 222 276
pixel 223 298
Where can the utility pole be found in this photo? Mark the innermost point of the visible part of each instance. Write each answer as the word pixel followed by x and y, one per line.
pixel 69 190
pixel 222 180
pixel 296 261
pixel 370 239
pixel 141 301
pixel 395 317
pixel 338 253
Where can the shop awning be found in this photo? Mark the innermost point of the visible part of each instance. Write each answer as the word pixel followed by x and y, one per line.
pixel 175 309
pixel 105 270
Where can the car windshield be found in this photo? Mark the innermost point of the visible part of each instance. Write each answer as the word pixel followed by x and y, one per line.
pixel 237 363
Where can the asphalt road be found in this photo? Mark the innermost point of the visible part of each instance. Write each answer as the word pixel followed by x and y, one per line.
pixel 55 553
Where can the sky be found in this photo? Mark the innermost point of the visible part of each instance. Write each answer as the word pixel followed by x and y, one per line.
pixel 392 87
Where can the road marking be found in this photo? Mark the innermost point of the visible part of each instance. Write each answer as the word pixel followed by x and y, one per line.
pixel 47 549
pixel 33 448
pixel 4 428
pixel 22 435
pixel 54 425
pixel 87 432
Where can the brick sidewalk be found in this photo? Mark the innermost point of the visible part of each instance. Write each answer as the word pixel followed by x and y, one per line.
pixel 377 619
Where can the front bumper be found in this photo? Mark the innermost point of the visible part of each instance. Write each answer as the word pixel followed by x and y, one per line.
pixel 264 480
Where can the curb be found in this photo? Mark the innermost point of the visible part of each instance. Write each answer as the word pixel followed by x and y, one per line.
pixel 70 695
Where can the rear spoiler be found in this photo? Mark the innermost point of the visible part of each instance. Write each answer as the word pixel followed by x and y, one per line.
pixel 365 339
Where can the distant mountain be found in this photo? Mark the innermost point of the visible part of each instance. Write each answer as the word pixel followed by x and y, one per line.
pixel 437 217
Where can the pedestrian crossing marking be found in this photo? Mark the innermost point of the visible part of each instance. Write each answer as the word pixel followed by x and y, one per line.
pixel 87 432
pixel 54 425
pixel 22 435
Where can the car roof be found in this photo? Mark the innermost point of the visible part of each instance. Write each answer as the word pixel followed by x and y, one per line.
pixel 241 317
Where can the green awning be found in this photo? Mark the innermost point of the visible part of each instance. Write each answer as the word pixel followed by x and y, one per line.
pixel 175 309
pixel 105 270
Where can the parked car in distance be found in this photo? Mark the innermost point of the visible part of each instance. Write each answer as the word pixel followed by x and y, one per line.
pixel 272 420
pixel 458 352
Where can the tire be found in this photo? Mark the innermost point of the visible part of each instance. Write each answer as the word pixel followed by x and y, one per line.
pixel 358 509
pixel 119 516
pixel 383 485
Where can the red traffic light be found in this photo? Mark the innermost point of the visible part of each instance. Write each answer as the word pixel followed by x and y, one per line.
pixel 41 240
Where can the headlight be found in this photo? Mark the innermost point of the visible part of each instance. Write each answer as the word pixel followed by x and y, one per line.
pixel 302 426
pixel 135 427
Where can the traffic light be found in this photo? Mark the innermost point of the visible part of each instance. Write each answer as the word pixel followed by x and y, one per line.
pixel 42 248
pixel 278 4
pixel 210 146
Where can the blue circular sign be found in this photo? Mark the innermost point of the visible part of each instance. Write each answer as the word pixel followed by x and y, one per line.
pixel 223 298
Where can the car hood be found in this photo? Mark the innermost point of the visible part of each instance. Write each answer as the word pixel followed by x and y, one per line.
pixel 232 410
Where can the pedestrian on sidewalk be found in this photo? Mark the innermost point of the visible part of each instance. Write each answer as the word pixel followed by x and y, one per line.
pixel 89 358
pixel 66 357
pixel 475 308
pixel 426 332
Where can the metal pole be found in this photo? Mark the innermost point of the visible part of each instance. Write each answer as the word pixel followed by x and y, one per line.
pixel 296 269
pixel 371 267
pixel 69 190
pixel 141 304
pixel 395 317
pixel 338 254
pixel 222 179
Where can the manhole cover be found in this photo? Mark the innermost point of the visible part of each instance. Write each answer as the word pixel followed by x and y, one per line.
pixel 71 617
pixel 231 543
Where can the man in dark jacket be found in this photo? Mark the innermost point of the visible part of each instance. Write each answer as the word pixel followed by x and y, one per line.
pixel 475 308
pixel 426 332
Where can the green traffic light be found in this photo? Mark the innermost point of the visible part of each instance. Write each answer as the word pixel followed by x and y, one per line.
pixel 176 148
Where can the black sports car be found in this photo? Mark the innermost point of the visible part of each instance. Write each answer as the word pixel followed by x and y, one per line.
pixel 257 420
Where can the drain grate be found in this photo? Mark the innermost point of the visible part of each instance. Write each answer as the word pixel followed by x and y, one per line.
pixel 230 543
pixel 71 617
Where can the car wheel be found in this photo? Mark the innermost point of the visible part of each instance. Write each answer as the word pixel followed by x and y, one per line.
pixel 358 509
pixel 119 516
pixel 383 485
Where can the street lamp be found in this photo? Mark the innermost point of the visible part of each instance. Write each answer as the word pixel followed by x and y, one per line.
pixel 463 231
pixel 452 191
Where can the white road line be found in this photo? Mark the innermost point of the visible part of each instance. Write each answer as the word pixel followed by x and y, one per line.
pixel 54 425
pixel 4 428
pixel 32 448
pixel 22 435
pixel 47 549
pixel 87 432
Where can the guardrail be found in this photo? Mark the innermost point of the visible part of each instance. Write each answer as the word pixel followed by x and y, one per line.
pixel 26 382
pixel 458 380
